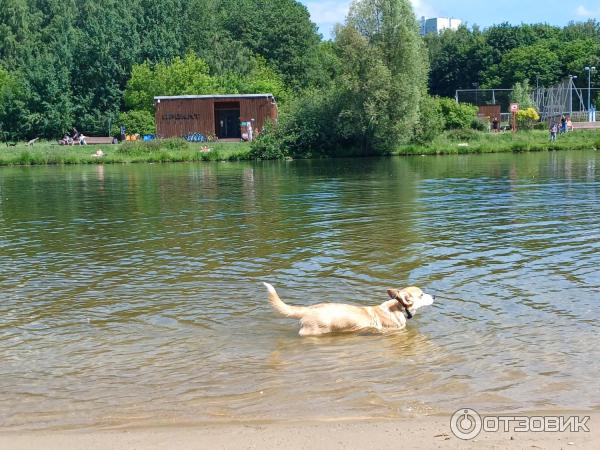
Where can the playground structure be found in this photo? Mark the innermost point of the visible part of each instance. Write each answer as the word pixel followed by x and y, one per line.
pixel 552 102
pixel 563 98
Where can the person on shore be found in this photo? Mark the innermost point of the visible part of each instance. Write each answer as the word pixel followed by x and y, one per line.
pixel 66 140
pixel 495 125
pixel 553 131
pixel 250 131
pixel 563 124
pixel 123 135
pixel 569 124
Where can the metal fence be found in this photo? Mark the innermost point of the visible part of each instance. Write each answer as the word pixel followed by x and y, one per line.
pixel 564 98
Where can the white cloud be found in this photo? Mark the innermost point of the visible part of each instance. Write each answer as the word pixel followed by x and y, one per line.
pixel 328 11
pixel 423 9
pixel 583 11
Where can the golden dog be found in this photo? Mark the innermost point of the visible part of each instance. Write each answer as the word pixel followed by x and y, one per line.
pixel 341 318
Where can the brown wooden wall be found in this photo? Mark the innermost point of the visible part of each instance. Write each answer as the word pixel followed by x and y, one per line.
pixel 489 111
pixel 180 117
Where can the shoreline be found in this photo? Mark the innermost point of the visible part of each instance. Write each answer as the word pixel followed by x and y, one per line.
pixel 177 151
pixel 426 432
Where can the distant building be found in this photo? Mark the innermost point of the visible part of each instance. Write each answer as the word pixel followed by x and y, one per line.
pixel 437 24
pixel 213 115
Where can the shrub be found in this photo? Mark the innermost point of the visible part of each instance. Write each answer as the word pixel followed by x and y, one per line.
pixel 480 124
pixel 431 121
pixel 136 121
pixel 457 115
pixel 309 128
pixel 526 118
pixel 270 143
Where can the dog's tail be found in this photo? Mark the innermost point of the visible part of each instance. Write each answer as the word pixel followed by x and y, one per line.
pixel 295 312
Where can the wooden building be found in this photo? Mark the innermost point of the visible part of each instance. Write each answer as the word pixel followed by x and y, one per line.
pixel 213 115
pixel 488 112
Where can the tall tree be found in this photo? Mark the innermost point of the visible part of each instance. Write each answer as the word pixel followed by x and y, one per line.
pixel 391 30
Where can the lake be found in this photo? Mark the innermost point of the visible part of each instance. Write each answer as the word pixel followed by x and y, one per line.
pixel 131 294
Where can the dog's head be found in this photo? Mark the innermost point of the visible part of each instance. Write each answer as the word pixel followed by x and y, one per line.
pixel 411 299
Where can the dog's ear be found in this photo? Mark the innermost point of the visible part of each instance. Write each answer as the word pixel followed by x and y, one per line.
pixel 405 299
pixel 393 293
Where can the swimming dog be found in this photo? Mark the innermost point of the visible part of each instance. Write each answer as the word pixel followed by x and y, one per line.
pixel 327 318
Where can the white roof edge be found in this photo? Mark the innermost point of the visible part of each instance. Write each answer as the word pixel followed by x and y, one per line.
pixel 176 97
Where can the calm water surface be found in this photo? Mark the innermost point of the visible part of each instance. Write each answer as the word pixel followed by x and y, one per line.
pixel 131 294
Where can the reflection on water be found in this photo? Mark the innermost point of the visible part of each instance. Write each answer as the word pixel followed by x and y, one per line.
pixel 131 294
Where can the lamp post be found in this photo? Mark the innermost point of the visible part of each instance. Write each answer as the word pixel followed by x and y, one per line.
pixel 589 70
pixel 571 86
pixel 476 86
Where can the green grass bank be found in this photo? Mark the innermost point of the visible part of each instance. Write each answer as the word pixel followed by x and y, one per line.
pixel 472 142
pixel 176 150
pixel 169 150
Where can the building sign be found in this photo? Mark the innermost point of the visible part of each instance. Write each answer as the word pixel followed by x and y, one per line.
pixel 180 116
pixel 514 107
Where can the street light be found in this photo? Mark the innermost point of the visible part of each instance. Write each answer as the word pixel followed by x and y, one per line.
pixel 571 86
pixel 589 70
pixel 476 86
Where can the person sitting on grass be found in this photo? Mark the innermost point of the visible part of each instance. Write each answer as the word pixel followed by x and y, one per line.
pixel 99 154
pixel 66 140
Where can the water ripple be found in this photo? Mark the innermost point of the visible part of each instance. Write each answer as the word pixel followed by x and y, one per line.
pixel 132 295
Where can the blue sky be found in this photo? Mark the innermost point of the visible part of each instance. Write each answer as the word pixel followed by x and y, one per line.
pixel 325 13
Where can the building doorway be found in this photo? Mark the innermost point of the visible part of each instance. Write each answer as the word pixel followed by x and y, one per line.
pixel 227 120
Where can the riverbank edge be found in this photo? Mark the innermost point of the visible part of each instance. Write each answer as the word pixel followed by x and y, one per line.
pixel 158 152
pixel 425 432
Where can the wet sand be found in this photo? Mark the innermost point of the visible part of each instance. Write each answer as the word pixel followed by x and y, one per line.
pixel 431 432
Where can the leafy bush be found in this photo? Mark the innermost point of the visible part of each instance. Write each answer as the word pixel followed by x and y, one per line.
pixel 309 128
pixel 479 124
pixel 457 115
pixel 270 143
pixel 526 118
pixel 431 121
pixel 137 121
pixel 540 126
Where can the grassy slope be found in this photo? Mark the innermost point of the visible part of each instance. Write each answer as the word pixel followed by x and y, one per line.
pixel 169 151
pixel 529 141
pixel 180 151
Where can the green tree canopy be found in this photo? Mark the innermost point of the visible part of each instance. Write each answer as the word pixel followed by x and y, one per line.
pixel 502 55
pixel 190 75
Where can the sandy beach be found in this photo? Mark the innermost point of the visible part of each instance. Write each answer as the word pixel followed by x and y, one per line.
pixel 431 432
